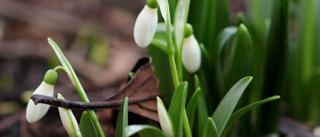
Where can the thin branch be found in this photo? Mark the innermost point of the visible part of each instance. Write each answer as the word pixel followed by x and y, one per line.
pixel 82 105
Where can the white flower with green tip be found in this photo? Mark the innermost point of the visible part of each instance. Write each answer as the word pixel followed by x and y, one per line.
pixel 35 112
pixel 191 53
pixel 146 24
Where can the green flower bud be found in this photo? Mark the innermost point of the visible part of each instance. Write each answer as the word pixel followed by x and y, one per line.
pixel 152 4
pixel 50 77
pixel 188 30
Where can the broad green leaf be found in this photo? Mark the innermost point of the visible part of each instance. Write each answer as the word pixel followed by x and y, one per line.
pixel 220 44
pixel 235 116
pixel 192 105
pixel 180 20
pixel 228 103
pixel 240 58
pixel 210 129
pixel 205 56
pixel 122 121
pixel 144 131
pixel 241 19
pixel 177 106
pixel 223 38
pixel 196 82
pixel 202 113
pixel 86 126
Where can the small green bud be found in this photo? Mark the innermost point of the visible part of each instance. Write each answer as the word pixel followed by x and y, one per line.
pixel 152 4
pixel 50 77
pixel 188 30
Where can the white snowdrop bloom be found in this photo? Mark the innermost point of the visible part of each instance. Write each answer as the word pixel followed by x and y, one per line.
pixel 35 112
pixel 191 54
pixel 68 120
pixel 164 119
pixel 145 26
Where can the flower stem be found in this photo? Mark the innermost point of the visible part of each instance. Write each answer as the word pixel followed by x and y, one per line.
pixel 179 66
pixel 59 67
pixel 175 76
pixel 170 49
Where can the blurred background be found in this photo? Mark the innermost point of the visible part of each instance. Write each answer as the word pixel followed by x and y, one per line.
pixel 96 37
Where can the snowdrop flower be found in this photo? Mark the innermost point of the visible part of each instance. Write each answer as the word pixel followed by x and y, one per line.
pixel 35 112
pixel 191 54
pixel 164 118
pixel 146 24
pixel 68 120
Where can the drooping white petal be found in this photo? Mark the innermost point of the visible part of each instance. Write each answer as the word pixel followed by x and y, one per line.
pixel 68 120
pixel 35 112
pixel 164 119
pixel 145 26
pixel 191 54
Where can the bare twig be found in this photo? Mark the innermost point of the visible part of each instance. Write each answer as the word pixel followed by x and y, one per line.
pixel 82 105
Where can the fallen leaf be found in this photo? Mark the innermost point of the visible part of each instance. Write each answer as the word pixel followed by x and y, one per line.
pixel 144 84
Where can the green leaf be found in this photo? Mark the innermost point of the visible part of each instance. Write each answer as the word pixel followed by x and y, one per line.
pixel 63 60
pixel 210 129
pixel 223 38
pixel 144 131
pixel 229 102
pixel 196 82
pixel 177 106
pixel 205 57
pixel 244 110
pixel 201 107
pixel 122 121
pixel 180 20
pixel 240 58
pixel 192 105
pixel 86 126
pixel 202 113
pixel 221 42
